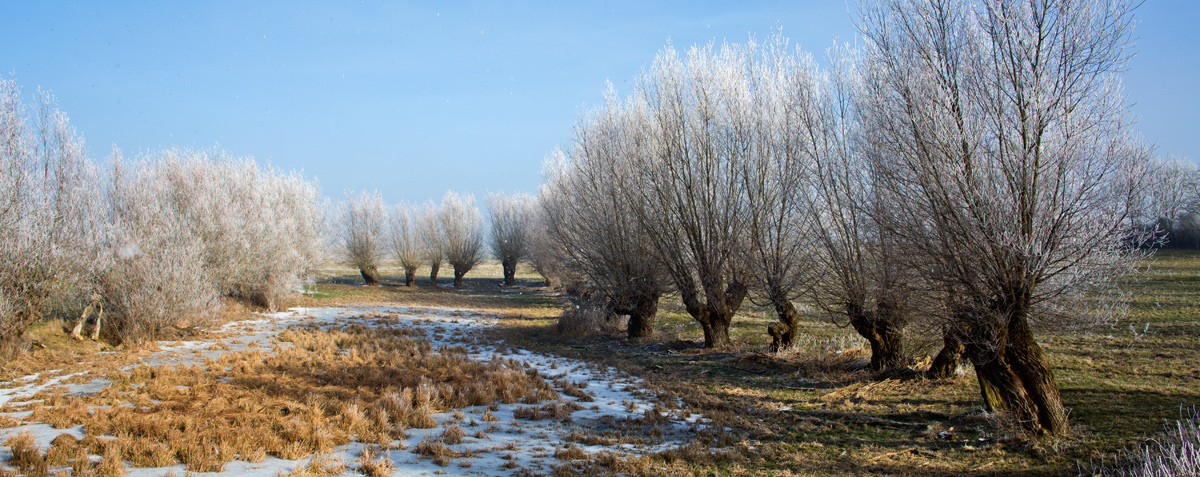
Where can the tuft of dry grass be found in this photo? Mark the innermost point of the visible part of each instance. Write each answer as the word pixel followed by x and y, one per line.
pixel 321 465
pixel 25 454
pixel 373 464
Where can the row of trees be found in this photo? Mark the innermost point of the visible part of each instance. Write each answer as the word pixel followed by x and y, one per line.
pixel 452 232
pixel 1170 207
pixel 969 167
pixel 160 238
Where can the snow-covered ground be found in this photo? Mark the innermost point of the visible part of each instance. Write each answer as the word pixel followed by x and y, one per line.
pixel 505 446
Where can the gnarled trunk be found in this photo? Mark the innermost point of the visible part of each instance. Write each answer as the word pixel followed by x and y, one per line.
pixel 642 311
pixel 948 359
pixel 458 277
pixel 881 329
pixel 1030 365
pixel 1014 374
pixel 783 334
pixel 715 316
pixel 510 272
pixel 410 277
pixel 433 271
pixel 370 275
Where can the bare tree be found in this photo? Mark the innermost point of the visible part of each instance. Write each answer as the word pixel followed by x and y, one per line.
pixel 462 232
pixel 362 222
pixel 688 194
pixel 861 281
pixel 429 231
pixel 512 217
pixel 546 254
pixel 49 219
pixel 407 246
pixel 589 215
pixel 779 186
pixel 1005 136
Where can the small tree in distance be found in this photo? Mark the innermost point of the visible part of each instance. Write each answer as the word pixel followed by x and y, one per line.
pixel 429 233
pixel 511 219
pixel 462 233
pixel 362 220
pixel 406 242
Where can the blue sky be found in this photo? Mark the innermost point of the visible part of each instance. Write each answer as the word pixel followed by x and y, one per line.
pixel 414 99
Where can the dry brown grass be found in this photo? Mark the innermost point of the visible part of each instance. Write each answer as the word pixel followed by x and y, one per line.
pixel 321 465
pixel 374 464
pixel 353 382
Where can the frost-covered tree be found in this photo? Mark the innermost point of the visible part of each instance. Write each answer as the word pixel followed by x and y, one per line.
pixel 462 233
pixel 363 218
pixel 1003 133
pixel 433 242
pixel 154 273
pixel 694 120
pixel 260 226
pixel 588 214
pixel 512 216
pixel 49 214
pixel 407 246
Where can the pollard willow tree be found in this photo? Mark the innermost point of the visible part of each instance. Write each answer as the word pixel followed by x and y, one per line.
pixel 688 194
pixel 433 242
pixel 779 183
pixel 406 243
pixel 462 233
pixel 861 280
pixel 363 218
pixel 1005 136
pixel 49 219
pixel 589 215
pixel 512 219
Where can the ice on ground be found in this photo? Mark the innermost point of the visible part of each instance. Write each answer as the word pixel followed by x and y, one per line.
pixel 509 445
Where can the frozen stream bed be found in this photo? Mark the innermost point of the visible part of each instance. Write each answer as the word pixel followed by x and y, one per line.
pixel 509 446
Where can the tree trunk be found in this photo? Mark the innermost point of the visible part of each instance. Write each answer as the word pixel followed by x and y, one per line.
pixel 641 317
pixel 370 275
pixel 887 352
pixel 510 272
pixel 714 318
pixel 989 392
pixel 433 274
pixel 783 334
pixel 948 359
pixel 458 277
pixel 716 332
pixel 410 277
pixel 886 339
pixel 1027 361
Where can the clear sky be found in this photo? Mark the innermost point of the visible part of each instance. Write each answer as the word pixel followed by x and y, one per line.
pixel 417 98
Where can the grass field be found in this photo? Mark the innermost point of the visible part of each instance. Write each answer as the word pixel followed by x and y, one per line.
pixel 818 410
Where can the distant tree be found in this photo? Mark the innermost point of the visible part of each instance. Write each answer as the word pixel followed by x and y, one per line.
pixel 433 241
pixel 1003 133
pixel 407 245
pixel 512 218
pixel 546 254
pixel 462 233
pixel 363 218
